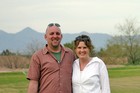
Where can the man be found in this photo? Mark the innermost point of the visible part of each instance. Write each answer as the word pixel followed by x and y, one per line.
pixel 50 69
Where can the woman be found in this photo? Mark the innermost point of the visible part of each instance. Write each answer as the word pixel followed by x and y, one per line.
pixel 90 74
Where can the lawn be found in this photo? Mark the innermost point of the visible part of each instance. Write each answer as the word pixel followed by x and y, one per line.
pixel 125 79
pixel 122 80
pixel 13 82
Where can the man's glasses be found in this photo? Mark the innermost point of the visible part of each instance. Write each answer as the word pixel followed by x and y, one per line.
pixel 54 24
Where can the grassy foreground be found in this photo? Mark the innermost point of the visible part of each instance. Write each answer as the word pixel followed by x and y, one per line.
pixel 125 79
pixel 13 82
pixel 122 80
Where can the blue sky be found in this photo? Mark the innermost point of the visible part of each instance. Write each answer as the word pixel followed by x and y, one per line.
pixel 74 16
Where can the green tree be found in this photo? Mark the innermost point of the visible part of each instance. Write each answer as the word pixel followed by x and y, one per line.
pixel 70 45
pixel 7 52
pixel 127 43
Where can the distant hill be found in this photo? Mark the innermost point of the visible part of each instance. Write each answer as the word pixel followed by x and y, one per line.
pixel 20 40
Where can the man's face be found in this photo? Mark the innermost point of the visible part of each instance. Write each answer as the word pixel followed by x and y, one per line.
pixel 53 36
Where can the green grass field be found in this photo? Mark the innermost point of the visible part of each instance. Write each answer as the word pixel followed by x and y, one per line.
pixel 13 82
pixel 122 80
pixel 125 79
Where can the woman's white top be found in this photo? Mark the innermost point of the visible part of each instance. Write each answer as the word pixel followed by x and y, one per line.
pixel 93 79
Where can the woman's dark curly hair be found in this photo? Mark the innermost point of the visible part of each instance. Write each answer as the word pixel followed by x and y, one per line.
pixel 84 38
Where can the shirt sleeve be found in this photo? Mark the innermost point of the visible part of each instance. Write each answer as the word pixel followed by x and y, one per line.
pixel 104 79
pixel 34 68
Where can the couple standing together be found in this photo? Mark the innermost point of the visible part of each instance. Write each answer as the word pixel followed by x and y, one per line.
pixel 55 69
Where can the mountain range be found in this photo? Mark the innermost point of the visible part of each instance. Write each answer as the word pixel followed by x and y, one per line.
pixel 20 40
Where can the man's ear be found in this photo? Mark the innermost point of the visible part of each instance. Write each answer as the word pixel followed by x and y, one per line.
pixel 45 36
pixel 61 35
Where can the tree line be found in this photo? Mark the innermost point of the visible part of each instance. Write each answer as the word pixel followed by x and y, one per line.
pixel 123 46
pixel 126 45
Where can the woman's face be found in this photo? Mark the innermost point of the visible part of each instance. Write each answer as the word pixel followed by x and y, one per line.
pixel 82 51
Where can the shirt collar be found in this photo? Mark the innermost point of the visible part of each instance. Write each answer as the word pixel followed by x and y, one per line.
pixel 45 49
pixel 93 60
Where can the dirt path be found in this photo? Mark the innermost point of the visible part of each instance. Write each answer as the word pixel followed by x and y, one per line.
pixel 2 70
pixel 25 70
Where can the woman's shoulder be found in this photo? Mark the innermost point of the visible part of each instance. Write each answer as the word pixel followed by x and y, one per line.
pixel 97 59
pixel 100 61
